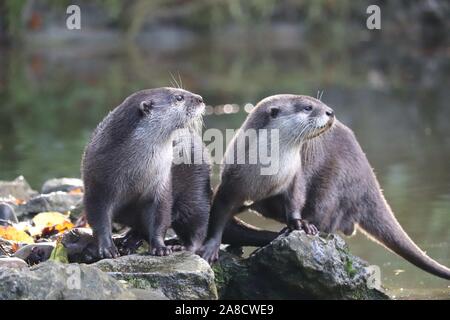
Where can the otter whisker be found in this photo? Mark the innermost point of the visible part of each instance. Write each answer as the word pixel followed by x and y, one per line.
pixel 173 78
pixel 179 78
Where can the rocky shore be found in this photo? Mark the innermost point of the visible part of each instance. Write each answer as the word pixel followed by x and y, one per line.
pixel 55 263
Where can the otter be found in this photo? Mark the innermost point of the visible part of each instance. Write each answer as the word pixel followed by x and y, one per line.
pixel 342 195
pixel 129 177
pixel 296 119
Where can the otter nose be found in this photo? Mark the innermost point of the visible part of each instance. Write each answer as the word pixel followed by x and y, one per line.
pixel 330 113
pixel 199 99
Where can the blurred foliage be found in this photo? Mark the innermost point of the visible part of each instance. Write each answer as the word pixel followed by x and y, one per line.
pixel 132 15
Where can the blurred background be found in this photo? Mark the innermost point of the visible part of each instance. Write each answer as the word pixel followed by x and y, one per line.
pixel 391 86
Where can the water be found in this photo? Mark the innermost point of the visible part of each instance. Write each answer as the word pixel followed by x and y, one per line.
pixel 392 93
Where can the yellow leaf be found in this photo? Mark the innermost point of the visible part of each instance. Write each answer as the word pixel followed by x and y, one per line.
pixel 50 219
pixel 13 234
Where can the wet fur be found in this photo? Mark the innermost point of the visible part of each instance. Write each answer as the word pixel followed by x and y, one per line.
pixel 128 176
pixel 241 183
pixel 342 195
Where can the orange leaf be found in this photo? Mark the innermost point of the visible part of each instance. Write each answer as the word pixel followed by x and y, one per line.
pixel 76 191
pixel 13 234
pixel 19 201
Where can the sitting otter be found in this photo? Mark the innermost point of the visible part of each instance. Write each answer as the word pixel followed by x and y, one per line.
pixel 296 119
pixel 342 193
pixel 129 178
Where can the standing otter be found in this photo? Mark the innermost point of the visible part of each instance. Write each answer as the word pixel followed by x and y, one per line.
pixel 129 178
pixel 342 193
pixel 296 119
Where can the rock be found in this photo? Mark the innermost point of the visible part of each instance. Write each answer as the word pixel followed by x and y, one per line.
pixel 7 214
pixel 182 275
pixel 79 243
pixel 18 188
pixel 8 262
pixel 55 281
pixel 35 253
pixel 61 184
pixel 297 266
pixel 56 201
pixel 154 294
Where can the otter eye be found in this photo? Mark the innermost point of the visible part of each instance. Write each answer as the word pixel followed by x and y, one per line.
pixel 308 108
pixel 274 111
pixel 179 97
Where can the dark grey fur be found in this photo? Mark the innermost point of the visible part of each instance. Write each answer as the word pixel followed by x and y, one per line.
pixel 298 118
pixel 128 174
pixel 342 194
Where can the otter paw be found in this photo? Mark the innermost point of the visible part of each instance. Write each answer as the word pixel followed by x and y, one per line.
pixel 209 252
pixel 301 224
pixel 160 251
pixel 177 247
pixel 107 251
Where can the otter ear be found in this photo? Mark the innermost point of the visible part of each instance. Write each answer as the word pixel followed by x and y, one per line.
pixel 145 107
pixel 274 111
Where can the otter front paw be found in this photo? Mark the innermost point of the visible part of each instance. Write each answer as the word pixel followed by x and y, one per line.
pixel 210 251
pixel 301 224
pixel 107 250
pixel 160 251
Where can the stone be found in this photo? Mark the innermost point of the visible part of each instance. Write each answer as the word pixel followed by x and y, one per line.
pixel 11 262
pixel 36 252
pixel 56 201
pixel 297 266
pixel 61 184
pixel 17 188
pixel 7 214
pixel 182 275
pixel 56 281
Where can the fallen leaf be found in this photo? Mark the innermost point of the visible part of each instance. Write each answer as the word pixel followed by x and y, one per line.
pixel 49 223
pixel 76 191
pixel 13 234
pixel 15 247
pixel 59 254
pixel 19 201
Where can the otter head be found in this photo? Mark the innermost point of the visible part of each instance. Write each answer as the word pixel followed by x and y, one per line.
pixel 297 117
pixel 163 110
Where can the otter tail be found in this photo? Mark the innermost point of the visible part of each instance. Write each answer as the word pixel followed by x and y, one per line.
pixel 384 228
pixel 239 233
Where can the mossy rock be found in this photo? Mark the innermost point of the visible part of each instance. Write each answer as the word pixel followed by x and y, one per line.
pixel 181 275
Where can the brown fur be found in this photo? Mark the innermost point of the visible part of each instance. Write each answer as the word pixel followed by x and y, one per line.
pixel 298 118
pixel 342 194
pixel 129 179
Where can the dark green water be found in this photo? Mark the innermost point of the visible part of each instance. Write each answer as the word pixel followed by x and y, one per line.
pixel 394 96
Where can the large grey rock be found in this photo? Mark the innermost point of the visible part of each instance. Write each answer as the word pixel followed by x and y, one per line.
pixel 55 281
pixel 18 188
pixel 182 275
pixel 55 201
pixel 61 184
pixel 297 266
